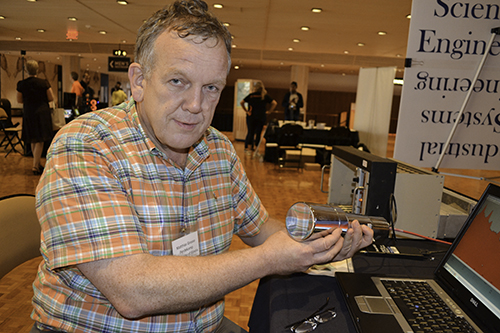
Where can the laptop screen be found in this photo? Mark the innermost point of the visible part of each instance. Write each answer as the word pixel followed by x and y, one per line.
pixel 472 270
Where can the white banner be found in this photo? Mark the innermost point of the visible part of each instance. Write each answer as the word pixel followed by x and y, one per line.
pixel 446 45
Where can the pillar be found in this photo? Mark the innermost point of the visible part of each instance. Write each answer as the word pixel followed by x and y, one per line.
pixel 69 64
pixel 300 74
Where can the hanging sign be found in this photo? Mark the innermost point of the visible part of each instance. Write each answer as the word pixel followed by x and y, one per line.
pixel 446 44
pixel 118 64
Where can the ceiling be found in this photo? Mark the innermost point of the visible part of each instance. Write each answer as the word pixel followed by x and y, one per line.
pixel 263 31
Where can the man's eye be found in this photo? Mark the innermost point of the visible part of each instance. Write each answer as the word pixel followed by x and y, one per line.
pixel 175 81
pixel 212 88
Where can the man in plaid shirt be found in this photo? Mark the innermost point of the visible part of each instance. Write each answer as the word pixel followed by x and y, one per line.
pixel 138 203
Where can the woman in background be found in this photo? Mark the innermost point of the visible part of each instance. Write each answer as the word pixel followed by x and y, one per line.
pixel 256 113
pixel 35 95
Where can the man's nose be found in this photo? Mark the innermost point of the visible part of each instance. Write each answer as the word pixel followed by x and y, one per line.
pixel 193 100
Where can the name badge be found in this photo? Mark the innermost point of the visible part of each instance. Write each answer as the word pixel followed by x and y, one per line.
pixel 187 245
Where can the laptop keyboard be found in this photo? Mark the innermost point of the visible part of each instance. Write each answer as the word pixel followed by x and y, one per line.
pixel 424 310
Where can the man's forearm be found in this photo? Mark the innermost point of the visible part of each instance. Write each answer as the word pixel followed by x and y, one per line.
pixel 267 229
pixel 173 284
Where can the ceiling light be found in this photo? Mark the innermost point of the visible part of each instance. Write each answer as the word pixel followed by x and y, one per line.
pixel 120 53
pixel 40 30
pixel 361 44
pixel 122 2
pixel 124 41
pixel 226 24
pixel 304 28
pixel 382 33
pixel 72 18
pixel 346 52
pixel 296 40
pixel 233 46
pixel 218 5
pixel 316 10
pixel 398 82
pixel 408 16
pixel 31 0
pixel 236 67
pixel 290 49
pixel 102 32
pixel 2 17
pixel 18 38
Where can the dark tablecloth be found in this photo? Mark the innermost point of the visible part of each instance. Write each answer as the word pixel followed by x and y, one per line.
pixel 282 300
pixel 337 136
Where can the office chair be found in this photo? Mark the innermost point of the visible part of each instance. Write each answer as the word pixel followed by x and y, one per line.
pixel 340 136
pixel 288 141
pixel 11 133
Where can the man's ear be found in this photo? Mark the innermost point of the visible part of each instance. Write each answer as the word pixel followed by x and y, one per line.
pixel 136 78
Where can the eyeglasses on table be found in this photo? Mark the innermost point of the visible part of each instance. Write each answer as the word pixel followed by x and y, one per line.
pixel 312 321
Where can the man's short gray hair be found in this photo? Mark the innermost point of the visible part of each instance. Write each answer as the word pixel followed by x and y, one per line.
pixel 186 18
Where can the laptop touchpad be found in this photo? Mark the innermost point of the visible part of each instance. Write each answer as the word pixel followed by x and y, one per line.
pixel 374 304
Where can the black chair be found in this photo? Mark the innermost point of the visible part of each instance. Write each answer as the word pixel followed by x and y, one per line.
pixel 341 136
pixel 5 104
pixel 288 141
pixel 11 133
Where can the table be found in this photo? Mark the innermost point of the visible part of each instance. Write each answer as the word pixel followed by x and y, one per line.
pixel 16 292
pixel 336 136
pixel 282 300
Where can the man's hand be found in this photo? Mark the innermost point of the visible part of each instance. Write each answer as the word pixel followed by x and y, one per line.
pixel 288 256
pixel 356 238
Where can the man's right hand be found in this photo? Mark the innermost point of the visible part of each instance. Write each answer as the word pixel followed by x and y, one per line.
pixel 288 256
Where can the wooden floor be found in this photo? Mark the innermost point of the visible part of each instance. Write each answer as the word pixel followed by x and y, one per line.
pixel 278 190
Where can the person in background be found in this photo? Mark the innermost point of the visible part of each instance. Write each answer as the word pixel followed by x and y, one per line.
pixel 85 82
pixel 87 95
pixel 118 97
pixel 76 88
pixel 35 94
pixel 139 203
pixel 292 102
pixel 256 113
pixel 117 86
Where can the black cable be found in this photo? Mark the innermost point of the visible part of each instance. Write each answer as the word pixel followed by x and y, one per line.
pixel 393 214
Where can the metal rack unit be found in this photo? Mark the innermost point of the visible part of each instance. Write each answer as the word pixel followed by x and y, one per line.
pixel 367 183
pixel 418 195
pixel 362 180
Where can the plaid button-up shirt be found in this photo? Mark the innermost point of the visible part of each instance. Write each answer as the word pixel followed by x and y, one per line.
pixel 108 192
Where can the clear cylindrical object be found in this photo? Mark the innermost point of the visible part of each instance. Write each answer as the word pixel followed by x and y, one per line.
pixel 305 218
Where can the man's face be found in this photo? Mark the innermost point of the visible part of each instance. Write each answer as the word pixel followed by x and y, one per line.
pixel 293 88
pixel 177 102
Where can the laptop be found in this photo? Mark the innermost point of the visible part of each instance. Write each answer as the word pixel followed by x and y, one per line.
pixel 466 283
